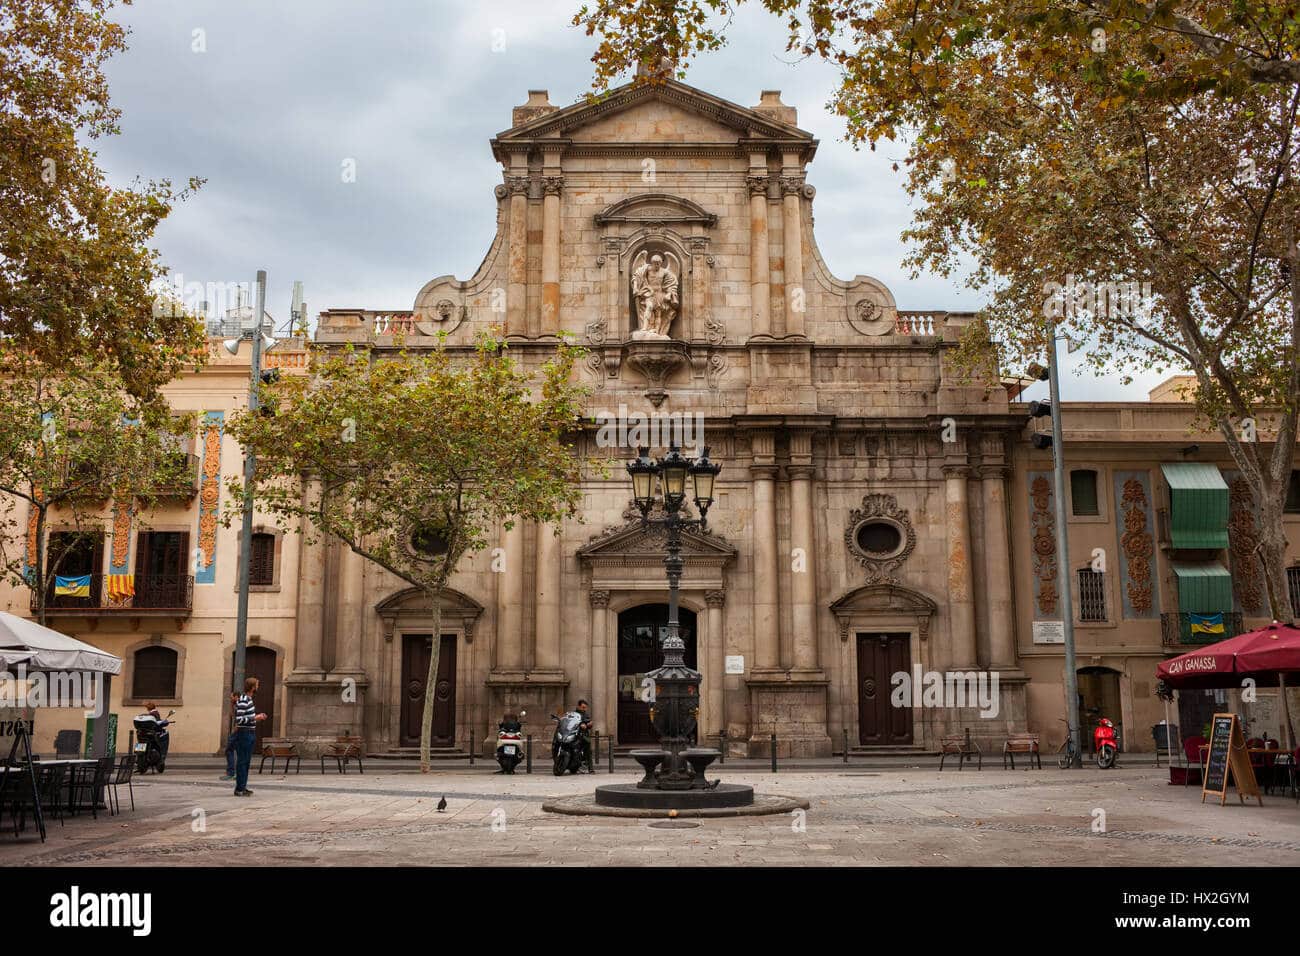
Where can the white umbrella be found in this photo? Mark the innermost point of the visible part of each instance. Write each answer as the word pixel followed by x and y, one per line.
pixel 41 649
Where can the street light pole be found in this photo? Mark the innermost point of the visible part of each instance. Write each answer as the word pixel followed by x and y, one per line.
pixel 1063 550
pixel 250 469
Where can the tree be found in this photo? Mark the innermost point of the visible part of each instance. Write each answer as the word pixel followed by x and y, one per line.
pixel 76 272
pixel 71 438
pixel 412 460
pixel 1109 181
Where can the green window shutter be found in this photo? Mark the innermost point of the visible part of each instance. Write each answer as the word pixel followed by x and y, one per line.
pixel 1203 587
pixel 1198 506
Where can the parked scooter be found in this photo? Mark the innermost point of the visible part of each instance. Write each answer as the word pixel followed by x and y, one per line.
pixel 150 746
pixel 510 747
pixel 1105 743
pixel 567 743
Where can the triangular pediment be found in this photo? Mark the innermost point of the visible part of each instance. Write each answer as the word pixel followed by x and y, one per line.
pixel 667 111
pixel 631 540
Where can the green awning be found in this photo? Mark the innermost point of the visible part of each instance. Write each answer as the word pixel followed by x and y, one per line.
pixel 1204 587
pixel 1198 506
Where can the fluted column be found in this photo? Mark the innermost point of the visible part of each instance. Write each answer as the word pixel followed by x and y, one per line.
pixel 510 601
pixel 716 675
pixel 803 583
pixel 546 609
pixel 309 641
pixel 767 611
pixel 961 599
pixel 760 293
pixel 551 187
pixel 997 562
pixel 603 690
pixel 517 266
pixel 792 244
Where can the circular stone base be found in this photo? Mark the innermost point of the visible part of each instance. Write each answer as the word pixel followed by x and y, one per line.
pixel 761 804
pixel 631 797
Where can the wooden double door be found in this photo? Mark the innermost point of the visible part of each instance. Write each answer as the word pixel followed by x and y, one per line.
pixel 416 650
pixel 259 662
pixel 641 632
pixel 880 657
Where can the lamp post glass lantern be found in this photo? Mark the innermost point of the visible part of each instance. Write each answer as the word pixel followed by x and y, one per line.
pixel 675 705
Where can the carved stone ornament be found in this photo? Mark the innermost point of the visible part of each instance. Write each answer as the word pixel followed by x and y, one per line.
pixel 869 317
pixel 656 360
pixel 656 279
pixel 880 509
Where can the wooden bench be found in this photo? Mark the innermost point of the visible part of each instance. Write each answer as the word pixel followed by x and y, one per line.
pixel 275 748
pixel 1021 744
pixel 963 747
pixel 344 749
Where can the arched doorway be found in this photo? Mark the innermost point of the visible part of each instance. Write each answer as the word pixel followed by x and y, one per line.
pixel 1098 697
pixel 641 631
pixel 259 662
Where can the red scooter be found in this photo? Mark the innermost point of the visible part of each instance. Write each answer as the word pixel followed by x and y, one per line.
pixel 1105 743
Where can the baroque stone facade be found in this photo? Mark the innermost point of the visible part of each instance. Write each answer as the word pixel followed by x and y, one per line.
pixel 671 232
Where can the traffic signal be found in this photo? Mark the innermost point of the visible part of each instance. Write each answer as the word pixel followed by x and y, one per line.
pixel 269 377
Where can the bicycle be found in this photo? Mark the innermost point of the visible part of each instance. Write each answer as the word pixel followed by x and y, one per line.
pixel 1069 757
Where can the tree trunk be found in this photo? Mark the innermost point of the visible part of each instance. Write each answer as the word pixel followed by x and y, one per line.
pixel 1272 555
pixel 38 571
pixel 431 682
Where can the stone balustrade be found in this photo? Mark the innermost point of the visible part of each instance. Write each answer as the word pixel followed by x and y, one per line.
pixel 919 323
pixel 392 323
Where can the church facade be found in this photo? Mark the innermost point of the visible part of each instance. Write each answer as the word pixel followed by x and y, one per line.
pixel 880 568
pixel 861 525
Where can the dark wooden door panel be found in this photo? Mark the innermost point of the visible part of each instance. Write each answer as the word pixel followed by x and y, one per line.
pixel 640 634
pixel 880 656
pixel 416 649
pixel 259 662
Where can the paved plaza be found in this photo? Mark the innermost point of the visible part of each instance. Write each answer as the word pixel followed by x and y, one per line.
pixel 857 818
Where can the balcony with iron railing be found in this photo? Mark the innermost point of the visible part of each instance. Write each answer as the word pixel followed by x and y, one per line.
pixel 1176 629
pixel 146 595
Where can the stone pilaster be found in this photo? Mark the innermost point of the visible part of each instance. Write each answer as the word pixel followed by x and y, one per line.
pixel 551 189
pixel 715 677
pixel 803 583
pixel 760 290
pixel 510 603
pixel 517 265
pixel 603 660
pixel 961 587
pixel 546 607
pixel 997 557
pixel 767 611
pixel 792 246
pixel 309 641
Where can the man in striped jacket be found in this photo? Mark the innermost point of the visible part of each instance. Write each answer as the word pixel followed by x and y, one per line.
pixel 246 720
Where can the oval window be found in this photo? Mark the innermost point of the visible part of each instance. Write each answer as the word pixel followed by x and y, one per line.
pixel 879 537
pixel 428 541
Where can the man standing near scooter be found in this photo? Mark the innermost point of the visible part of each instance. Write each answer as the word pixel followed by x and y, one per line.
pixel 246 721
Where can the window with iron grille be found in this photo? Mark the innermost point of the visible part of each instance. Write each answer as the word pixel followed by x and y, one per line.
pixel 1292 505
pixel 155 673
pixel 1293 583
pixel 1092 595
pixel 261 568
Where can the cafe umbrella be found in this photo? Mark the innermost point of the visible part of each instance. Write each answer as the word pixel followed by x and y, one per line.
pixel 1265 655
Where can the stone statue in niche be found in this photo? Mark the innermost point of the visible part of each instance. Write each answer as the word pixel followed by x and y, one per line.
pixel 654 293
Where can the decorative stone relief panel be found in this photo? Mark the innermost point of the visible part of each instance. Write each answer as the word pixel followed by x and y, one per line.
pixel 1042 533
pixel 1139 587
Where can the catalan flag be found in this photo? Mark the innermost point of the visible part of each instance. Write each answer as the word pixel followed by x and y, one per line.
pixel 1206 623
pixel 72 586
pixel 120 586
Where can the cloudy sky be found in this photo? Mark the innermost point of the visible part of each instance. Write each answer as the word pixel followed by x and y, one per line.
pixel 268 100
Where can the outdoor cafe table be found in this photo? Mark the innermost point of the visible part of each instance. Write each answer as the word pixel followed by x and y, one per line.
pixel 1283 758
pixel 68 762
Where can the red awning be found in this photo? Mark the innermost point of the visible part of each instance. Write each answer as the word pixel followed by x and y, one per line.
pixel 1261 654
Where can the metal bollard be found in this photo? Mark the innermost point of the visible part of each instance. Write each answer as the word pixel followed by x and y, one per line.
pixel 471 751
pixel 529 768
pixel 774 753
pixel 595 750
pixel 610 749
pixel 722 747
pixel 846 745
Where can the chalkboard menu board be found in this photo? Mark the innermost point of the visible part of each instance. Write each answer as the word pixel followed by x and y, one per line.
pixel 1226 760
pixel 1216 763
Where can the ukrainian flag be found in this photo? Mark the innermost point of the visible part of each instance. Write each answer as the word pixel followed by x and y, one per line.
pixel 1206 623
pixel 72 586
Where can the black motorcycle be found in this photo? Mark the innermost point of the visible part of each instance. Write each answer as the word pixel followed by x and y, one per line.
pixel 567 743
pixel 151 742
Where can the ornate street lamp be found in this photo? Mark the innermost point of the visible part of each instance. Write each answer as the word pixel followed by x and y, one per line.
pixel 675 707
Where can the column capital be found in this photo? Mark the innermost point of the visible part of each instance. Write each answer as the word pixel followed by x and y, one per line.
pixel 757 185
pixel 800 472
pixel 791 185
pixel 598 597
pixel 953 470
pixel 552 185
pixel 517 185
pixel 715 598
pixel 999 470
pixel 769 472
